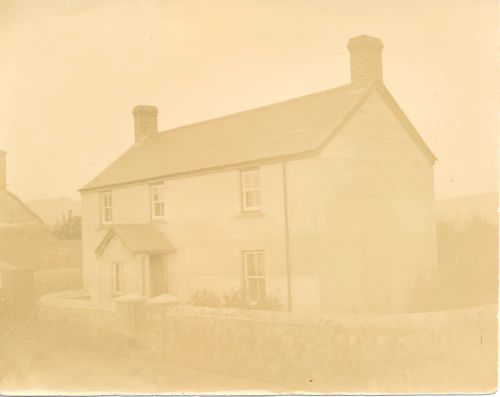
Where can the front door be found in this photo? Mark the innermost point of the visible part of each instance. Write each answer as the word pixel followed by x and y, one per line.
pixel 157 275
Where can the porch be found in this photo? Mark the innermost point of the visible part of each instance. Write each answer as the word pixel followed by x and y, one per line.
pixel 133 260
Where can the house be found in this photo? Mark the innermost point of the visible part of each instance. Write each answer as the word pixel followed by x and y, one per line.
pixel 19 226
pixel 26 246
pixel 325 201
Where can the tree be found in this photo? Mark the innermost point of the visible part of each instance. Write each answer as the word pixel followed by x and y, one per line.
pixel 468 261
pixel 70 228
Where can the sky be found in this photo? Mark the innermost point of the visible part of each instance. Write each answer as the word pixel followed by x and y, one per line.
pixel 72 70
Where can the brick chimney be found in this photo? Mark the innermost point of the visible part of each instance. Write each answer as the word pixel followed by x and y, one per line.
pixel 145 122
pixel 3 169
pixel 366 59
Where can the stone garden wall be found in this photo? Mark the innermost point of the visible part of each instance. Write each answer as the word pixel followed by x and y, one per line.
pixel 57 279
pixel 72 318
pixel 414 352
pixel 440 351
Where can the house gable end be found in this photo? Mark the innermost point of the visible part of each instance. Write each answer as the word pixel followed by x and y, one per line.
pixel 377 130
pixel 405 121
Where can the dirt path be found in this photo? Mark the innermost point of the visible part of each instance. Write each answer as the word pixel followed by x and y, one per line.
pixel 33 367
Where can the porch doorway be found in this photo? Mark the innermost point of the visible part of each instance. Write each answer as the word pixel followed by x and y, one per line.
pixel 157 275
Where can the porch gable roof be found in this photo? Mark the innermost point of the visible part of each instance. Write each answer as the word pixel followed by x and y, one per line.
pixel 137 239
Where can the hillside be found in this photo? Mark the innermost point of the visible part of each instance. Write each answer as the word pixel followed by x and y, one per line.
pixel 464 208
pixel 52 209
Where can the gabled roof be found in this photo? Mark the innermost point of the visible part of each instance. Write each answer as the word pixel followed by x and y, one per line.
pixel 26 243
pixel 141 238
pixel 13 210
pixel 296 127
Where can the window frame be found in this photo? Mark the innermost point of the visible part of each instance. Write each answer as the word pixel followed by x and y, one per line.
pixel 261 294
pixel 117 277
pixel 245 207
pixel 105 194
pixel 161 201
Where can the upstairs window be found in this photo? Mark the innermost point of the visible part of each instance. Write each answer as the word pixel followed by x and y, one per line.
pixel 255 280
pixel 106 207
pixel 157 202
pixel 117 278
pixel 250 190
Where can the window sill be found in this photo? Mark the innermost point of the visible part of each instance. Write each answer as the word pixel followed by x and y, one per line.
pixel 108 226
pixel 249 214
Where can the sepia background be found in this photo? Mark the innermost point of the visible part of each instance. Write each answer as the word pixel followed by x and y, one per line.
pixel 71 71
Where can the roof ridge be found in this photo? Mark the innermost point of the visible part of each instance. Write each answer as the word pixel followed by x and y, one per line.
pixel 339 97
pixel 258 108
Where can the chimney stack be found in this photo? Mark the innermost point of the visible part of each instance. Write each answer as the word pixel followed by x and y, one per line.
pixel 366 59
pixel 3 169
pixel 145 122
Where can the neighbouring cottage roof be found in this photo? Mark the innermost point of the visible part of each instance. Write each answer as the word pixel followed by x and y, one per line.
pixel 137 239
pixel 26 243
pixel 298 126
pixel 13 210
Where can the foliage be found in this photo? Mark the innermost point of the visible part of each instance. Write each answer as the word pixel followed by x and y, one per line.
pixel 468 261
pixel 69 228
pixel 238 299
pixel 234 298
pixel 467 268
pixel 205 297
pixel 270 302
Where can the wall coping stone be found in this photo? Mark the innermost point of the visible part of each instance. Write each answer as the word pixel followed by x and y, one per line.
pixel 131 298
pixel 165 299
pixel 398 322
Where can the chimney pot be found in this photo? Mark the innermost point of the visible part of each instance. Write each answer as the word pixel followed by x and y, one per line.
pixel 145 122
pixel 366 59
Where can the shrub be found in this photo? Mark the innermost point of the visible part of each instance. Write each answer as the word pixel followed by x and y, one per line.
pixel 238 299
pixel 468 261
pixel 205 297
pixel 235 298
pixel 70 228
pixel 270 302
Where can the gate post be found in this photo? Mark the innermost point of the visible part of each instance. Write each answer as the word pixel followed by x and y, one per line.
pixel 129 307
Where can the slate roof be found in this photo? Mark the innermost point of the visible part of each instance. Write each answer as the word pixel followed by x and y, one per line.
pixel 294 127
pixel 140 238
pixel 13 210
